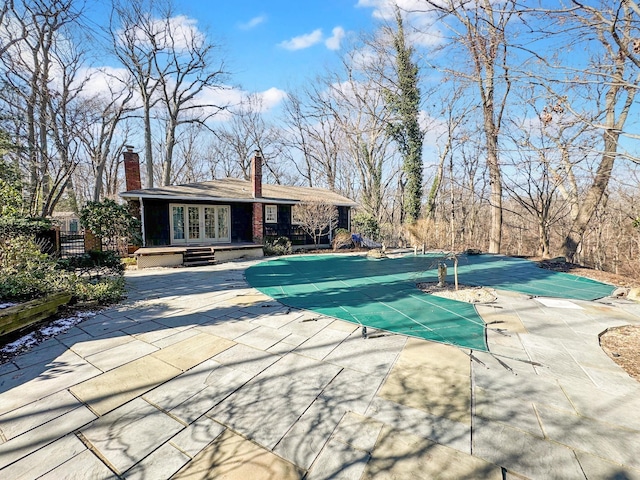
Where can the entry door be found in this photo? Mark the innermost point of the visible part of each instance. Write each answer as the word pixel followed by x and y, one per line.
pixel 199 224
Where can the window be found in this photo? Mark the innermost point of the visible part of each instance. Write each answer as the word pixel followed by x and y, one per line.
pixel 199 223
pixel 270 214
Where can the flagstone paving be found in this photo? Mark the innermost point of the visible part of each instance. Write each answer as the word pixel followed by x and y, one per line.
pixel 196 375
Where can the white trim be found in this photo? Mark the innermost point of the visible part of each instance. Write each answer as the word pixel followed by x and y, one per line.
pixel 274 210
pixel 202 238
pixel 144 236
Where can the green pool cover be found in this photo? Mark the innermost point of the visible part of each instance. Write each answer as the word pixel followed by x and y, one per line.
pixel 382 294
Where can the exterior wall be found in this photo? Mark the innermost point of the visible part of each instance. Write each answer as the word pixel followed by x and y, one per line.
pixel 246 223
pixel 156 221
pixel 284 227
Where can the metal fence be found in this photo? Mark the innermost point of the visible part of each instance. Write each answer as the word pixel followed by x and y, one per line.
pixel 71 243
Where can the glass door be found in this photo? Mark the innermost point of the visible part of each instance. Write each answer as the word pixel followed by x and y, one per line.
pixel 177 224
pixel 200 223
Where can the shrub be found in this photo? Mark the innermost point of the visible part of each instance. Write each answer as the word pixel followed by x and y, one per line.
pixel 366 224
pixel 26 273
pixel 93 264
pixel 342 239
pixel 277 246
pixel 14 226
pixel 111 222
pixel 107 290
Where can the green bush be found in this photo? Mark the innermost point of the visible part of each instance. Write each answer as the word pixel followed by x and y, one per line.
pixel 26 273
pixel 365 224
pixel 107 290
pixel 15 226
pixel 93 264
pixel 277 246
pixel 111 222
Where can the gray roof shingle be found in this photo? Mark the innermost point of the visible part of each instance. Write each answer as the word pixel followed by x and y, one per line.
pixel 236 190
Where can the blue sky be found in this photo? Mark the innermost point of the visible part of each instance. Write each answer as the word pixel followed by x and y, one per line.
pixel 280 43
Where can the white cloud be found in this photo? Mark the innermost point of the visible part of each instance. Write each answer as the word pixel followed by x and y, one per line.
pixel 180 31
pixel 254 22
pixel 421 25
pixel 303 41
pixel 333 42
pixel 272 98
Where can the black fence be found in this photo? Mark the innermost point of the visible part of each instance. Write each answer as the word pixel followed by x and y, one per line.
pixel 71 244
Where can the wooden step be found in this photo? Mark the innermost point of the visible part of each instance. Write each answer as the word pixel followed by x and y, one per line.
pixel 198 256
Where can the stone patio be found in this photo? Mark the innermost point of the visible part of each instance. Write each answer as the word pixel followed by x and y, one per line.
pixel 196 375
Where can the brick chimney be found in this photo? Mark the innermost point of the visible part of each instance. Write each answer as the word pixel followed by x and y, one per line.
pixel 256 174
pixel 256 183
pixel 132 169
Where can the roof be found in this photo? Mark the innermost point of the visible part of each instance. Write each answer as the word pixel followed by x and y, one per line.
pixel 236 190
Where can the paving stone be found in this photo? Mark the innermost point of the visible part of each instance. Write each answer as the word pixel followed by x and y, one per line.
pixel 441 430
pixel 358 431
pixel 247 359
pixel 38 381
pixel 183 320
pixel 43 460
pixel 120 355
pixel 596 468
pixel 160 464
pixel 101 325
pixel 299 368
pixel 373 355
pixel 304 441
pixel 523 453
pixel 7 368
pixel 182 334
pixel 262 337
pixel 342 326
pixel 150 331
pixel 619 445
pixel 196 391
pixel 129 433
pixel 227 327
pixel 234 458
pixel 498 406
pixel 322 343
pixel 41 436
pixel 353 390
pixel 340 461
pixel 192 351
pixel 42 355
pixel 278 319
pixel 611 407
pixel 281 403
pixel 196 436
pixel 83 466
pixel 308 324
pixel 431 377
pixel 118 386
pixel 401 455
pixel 37 413
pixel 87 345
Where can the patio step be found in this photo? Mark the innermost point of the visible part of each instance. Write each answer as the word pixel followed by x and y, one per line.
pixel 198 256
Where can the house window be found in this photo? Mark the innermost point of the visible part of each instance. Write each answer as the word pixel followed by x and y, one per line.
pixel 270 214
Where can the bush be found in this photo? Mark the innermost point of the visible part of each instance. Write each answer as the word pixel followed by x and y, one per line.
pixel 14 226
pixel 111 222
pixel 93 264
pixel 107 290
pixel 342 239
pixel 366 224
pixel 277 246
pixel 26 273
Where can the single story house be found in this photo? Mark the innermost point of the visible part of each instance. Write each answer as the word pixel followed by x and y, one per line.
pixel 226 218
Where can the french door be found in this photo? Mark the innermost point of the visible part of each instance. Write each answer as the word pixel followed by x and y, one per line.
pixel 199 223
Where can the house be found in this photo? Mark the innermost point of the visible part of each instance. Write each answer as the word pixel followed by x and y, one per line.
pixel 225 219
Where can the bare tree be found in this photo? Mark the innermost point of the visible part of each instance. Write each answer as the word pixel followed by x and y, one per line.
pixel 42 68
pixel 316 218
pixel 482 29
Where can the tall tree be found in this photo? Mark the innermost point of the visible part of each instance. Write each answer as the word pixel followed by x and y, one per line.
pixel 481 28
pixel 404 101
pixel 42 66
